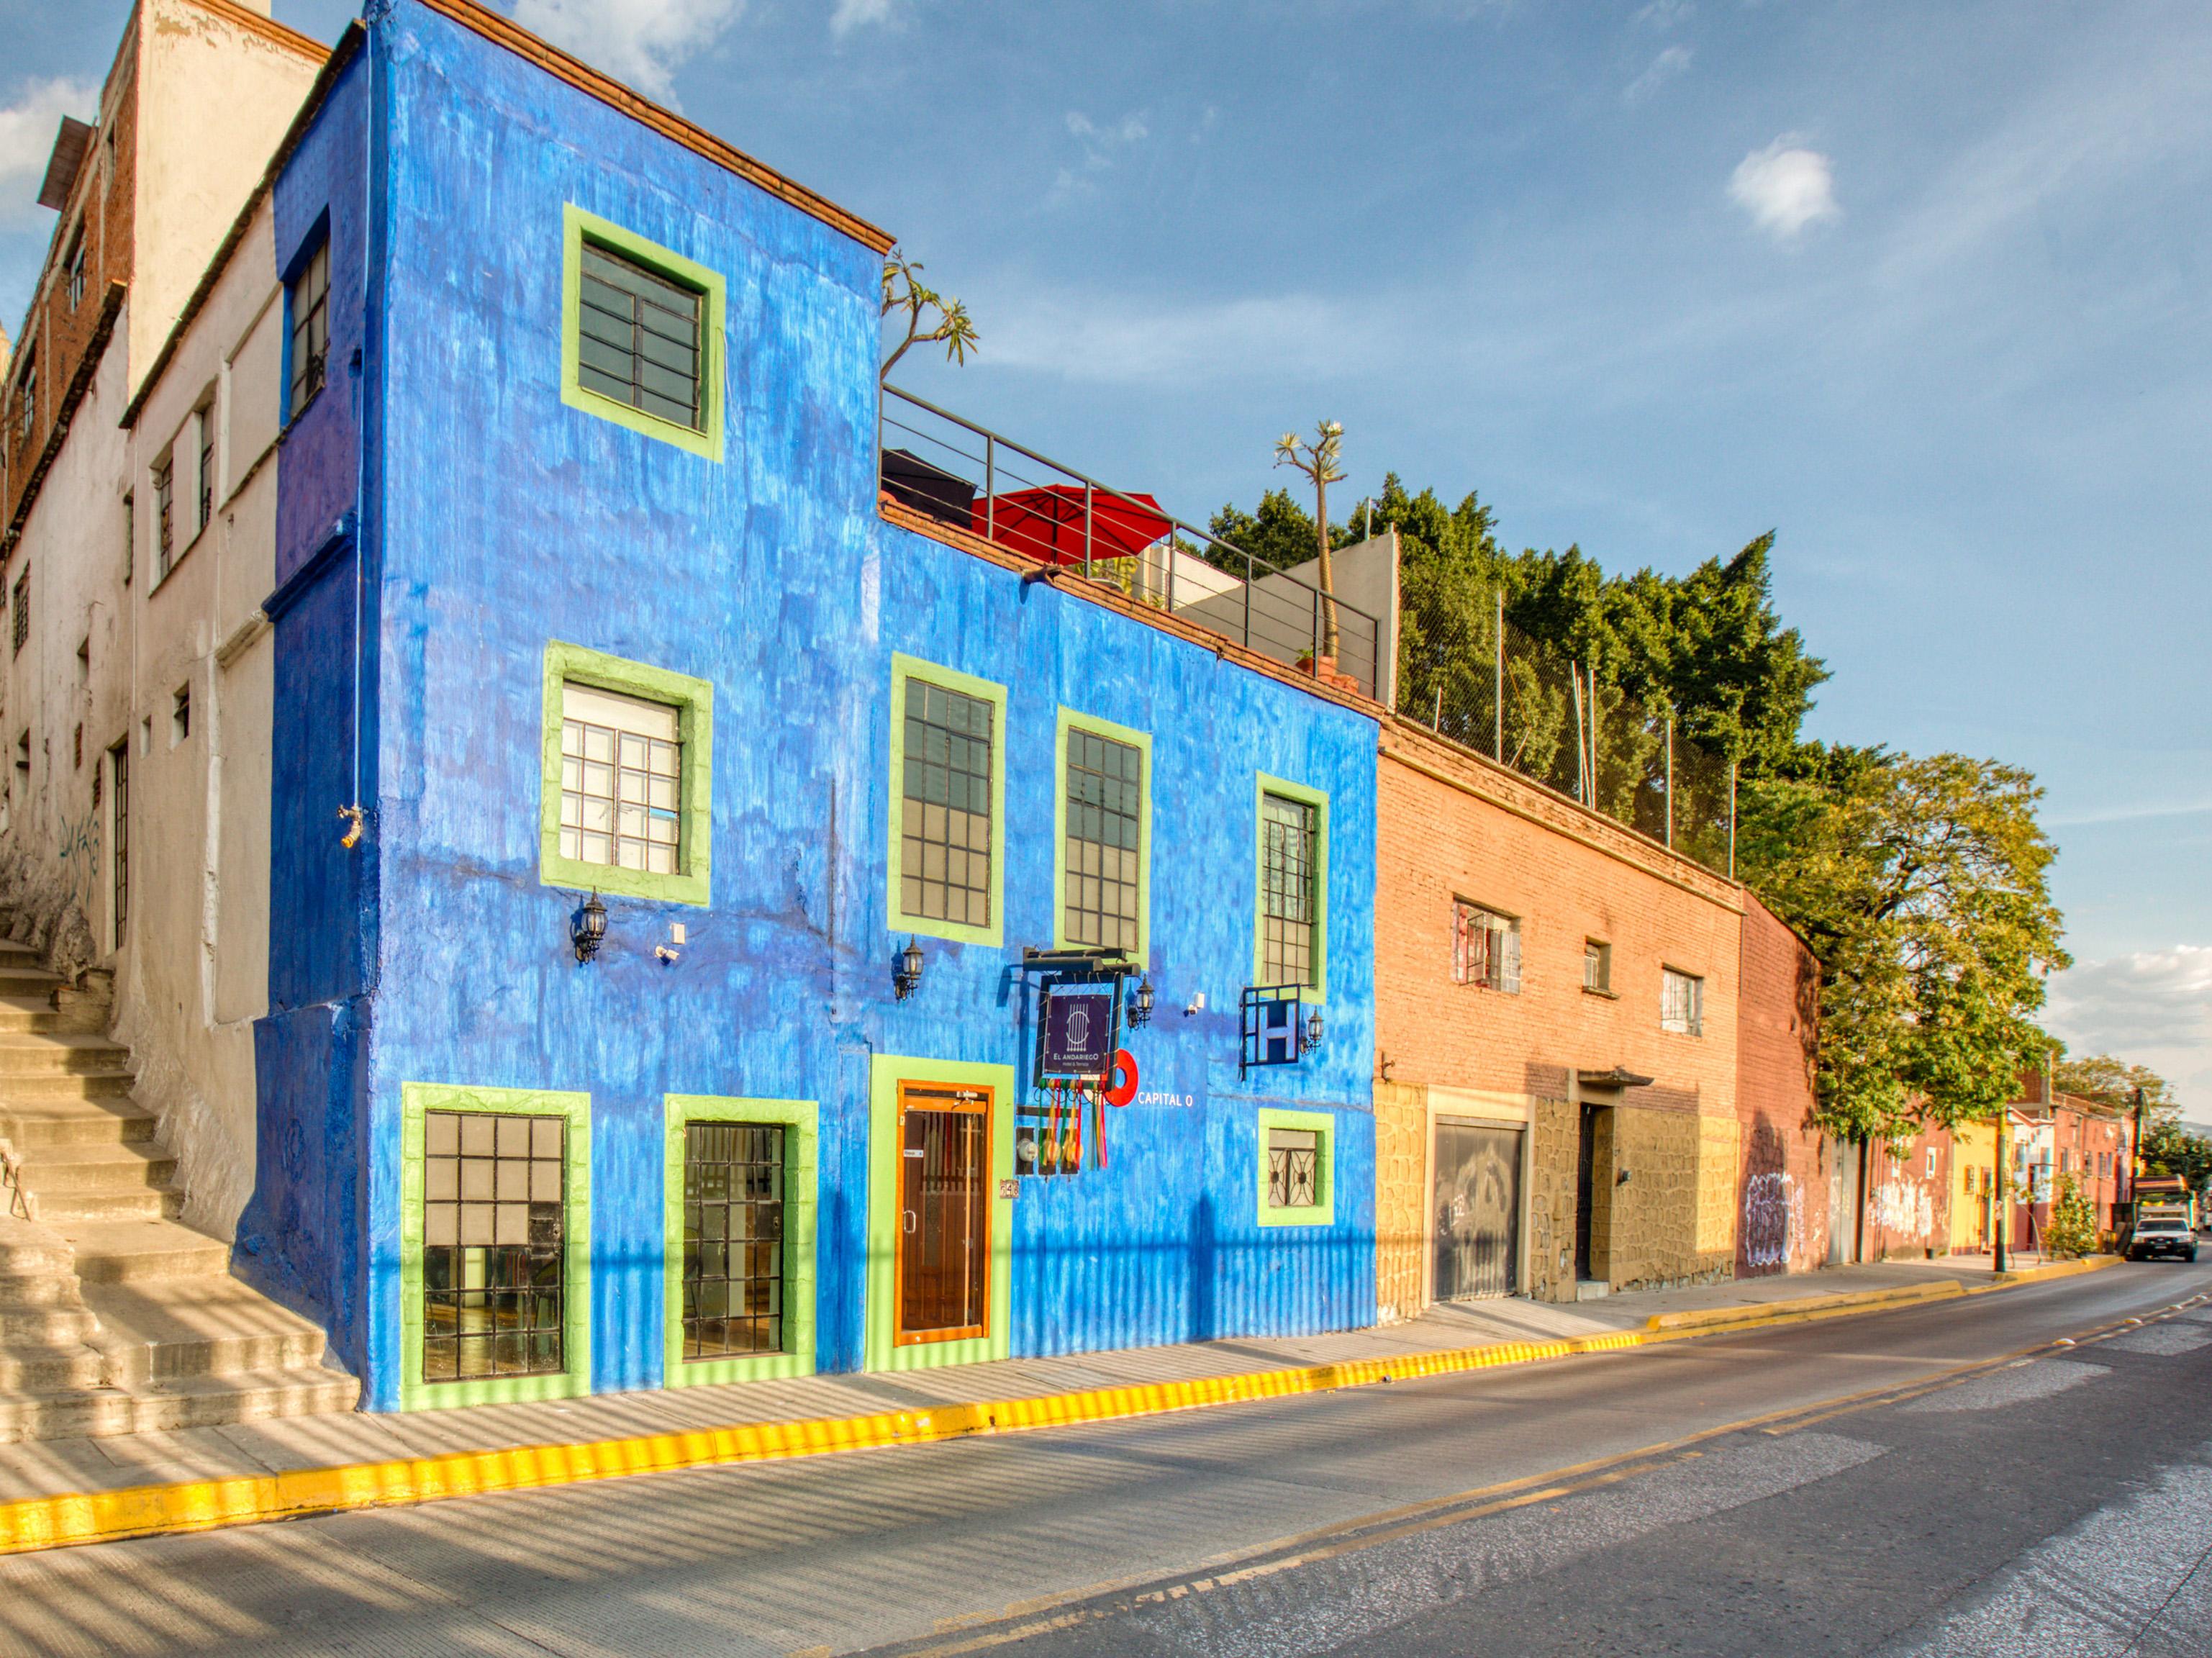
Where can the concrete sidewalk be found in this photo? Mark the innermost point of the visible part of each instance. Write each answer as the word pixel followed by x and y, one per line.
pixel 278 1445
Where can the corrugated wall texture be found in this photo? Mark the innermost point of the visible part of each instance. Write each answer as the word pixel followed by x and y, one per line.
pixel 507 518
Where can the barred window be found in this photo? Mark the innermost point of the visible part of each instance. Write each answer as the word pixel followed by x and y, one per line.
pixel 205 419
pixel 118 762
pixel 733 1196
pixel 622 766
pixel 23 616
pixel 1487 948
pixel 495 1189
pixel 638 339
pixel 310 302
pixel 1105 786
pixel 1682 1003
pixel 1289 904
pixel 73 267
pixel 165 514
pixel 27 397
pixel 1293 1168
pixel 945 851
pixel 1597 966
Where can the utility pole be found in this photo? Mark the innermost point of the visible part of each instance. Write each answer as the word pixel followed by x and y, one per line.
pixel 2135 1152
pixel 1997 1220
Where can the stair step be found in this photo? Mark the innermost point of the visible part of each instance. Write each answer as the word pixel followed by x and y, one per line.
pixel 33 1252
pixel 51 1123
pixel 31 1088
pixel 22 1291
pixel 26 1014
pixel 63 1052
pixel 81 1170
pixel 183 1326
pixel 152 1202
pixel 135 1251
pixel 187 1402
pixel 42 1368
pixel 44 1327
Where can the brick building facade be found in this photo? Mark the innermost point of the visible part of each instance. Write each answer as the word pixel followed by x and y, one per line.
pixel 1561 1108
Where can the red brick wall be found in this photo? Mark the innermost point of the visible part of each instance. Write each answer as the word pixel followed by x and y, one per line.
pixel 1482 835
pixel 1908 1198
pixel 1782 1222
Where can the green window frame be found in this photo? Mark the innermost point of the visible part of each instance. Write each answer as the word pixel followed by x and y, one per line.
pixel 579 228
pixel 801 1122
pixel 1264 786
pixel 1322 1126
pixel 417 1101
pixel 993 933
pixel 1070 723
pixel 879 1350
pixel 693 702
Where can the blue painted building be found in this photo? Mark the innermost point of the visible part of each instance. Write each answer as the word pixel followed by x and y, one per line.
pixel 586 602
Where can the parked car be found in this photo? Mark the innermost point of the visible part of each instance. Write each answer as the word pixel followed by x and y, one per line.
pixel 2159 1234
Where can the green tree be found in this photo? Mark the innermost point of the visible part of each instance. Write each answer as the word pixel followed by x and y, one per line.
pixel 932 317
pixel 2112 1082
pixel 2170 1149
pixel 2073 1230
pixel 1921 885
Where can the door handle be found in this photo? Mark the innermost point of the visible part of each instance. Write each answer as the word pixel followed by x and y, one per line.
pixel 908 1216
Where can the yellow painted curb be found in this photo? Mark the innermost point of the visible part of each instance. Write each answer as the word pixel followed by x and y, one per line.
pixel 31 1524
pixel 2051 1270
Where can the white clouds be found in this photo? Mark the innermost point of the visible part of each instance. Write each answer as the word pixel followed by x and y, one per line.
pixel 2151 1008
pixel 1663 68
pixel 1101 146
pixel 851 14
pixel 27 137
pixel 1786 187
pixel 1665 14
pixel 643 42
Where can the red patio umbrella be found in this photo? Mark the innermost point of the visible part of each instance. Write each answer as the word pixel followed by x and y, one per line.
pixel 1048 523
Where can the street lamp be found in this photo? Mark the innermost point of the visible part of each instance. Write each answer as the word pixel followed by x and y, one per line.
pixel 589 931
pixel 1140 1009
pixel 906 977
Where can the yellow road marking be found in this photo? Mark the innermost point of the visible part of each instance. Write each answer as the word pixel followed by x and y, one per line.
pixel 29 1524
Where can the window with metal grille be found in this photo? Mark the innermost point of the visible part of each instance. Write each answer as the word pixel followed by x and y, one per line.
pixel 495 1189
pixel 1293 1168
pixel 1288 905
pixel 310 306
pixel 1682 1003
pixel 1486 948
pixel 638 338
pixel 1103 894
pixel 165 514
pixel 733 1197
pixel 22 614
pixel 1597 966
pixel 129 534
pixel 74 267
pixel 622 765
pixel 27 397
pixel 205 421
pixel 118 765
pixel 944 868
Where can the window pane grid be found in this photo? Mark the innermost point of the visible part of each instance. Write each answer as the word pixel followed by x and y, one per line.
pixel 119 758
pixel 1287 890
pixel 732 1239
pixel 311 330
pixel 944 870
pixel 639 338
pixel 494 1188
pixel 1105 804
pixel 1486 948
pixel 621 791
pixel 1682 1003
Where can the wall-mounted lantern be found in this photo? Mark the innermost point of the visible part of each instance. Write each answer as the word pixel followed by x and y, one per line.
pixel 1140 1006
pixel 906 977
pixel 1313 1028
pixel 589 931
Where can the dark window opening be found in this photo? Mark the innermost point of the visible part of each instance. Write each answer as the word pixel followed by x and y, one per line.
pixel 311 331
pixel 494 1190
pixel 639 338
pixel 733 1199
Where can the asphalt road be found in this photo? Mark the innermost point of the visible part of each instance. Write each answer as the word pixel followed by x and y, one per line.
pixel 1939 1479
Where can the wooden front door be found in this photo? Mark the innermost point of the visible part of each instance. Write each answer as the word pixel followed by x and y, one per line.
pixel 944 1213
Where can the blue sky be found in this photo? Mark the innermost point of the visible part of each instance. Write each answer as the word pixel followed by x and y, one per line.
pixel 1922 288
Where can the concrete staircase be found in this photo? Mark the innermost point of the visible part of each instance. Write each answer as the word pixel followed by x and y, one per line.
pixel 115 1317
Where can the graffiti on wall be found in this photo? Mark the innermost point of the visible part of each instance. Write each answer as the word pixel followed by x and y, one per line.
pixel 79 858
pixel 1773 1218
pixel 1904 1208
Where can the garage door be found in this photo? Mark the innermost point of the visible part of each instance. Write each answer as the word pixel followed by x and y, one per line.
pixel 1478 1210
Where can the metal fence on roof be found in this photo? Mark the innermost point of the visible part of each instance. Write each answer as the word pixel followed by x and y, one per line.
pixel 1474 677
pixel 965 475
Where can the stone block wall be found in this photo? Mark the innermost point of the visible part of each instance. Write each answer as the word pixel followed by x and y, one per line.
pixel 1555 1125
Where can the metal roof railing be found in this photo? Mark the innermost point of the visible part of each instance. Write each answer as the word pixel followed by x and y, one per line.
pixel 934 462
